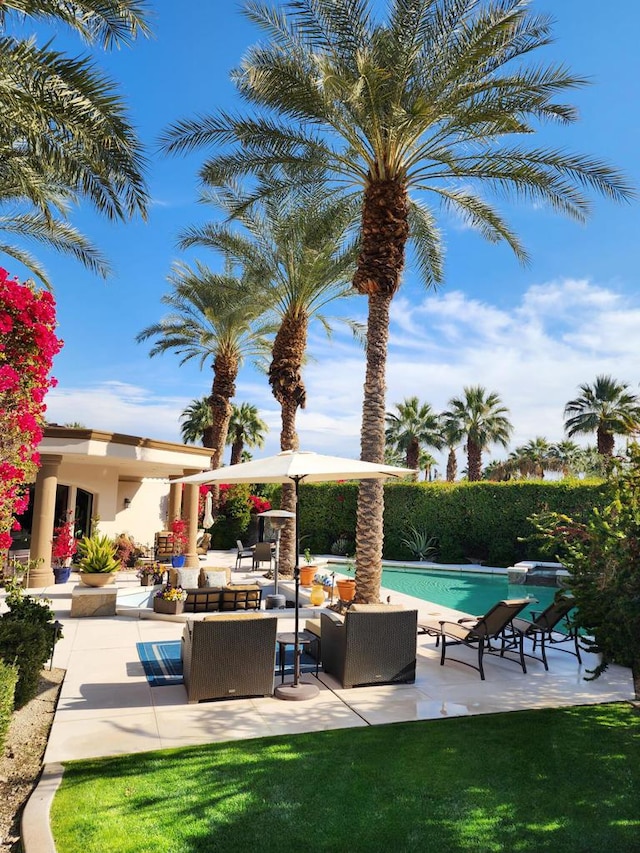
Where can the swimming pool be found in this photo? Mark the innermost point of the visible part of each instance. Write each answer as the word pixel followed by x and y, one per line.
pixel 467 591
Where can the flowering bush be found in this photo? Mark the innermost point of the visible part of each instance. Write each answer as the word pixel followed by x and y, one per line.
pixel 64 544
pixel 258 504
pixel 27 346
pixel 180 538
pixel 171 593
pixel 149 569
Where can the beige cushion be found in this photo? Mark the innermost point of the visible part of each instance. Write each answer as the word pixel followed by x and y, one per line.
pixel 214 578
pixel 188 578
pixel 374 608
pixel 233 615
pixel 313 626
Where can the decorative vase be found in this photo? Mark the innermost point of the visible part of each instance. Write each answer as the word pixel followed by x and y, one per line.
pixel 171 608
pixel 97 578
pixel 307 573
pixel 346 589
pixel 177 561
pixel 62 573
pixel 317 594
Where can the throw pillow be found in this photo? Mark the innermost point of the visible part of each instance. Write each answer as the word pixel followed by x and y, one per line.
pixel 215 578
pixel 188 578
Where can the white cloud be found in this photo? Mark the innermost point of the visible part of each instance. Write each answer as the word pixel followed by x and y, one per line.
pixel 561 334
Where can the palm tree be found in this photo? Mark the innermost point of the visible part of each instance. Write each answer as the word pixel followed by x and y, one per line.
pixel 197 423
pixel 535 457
pixel 246 427
pixel 423 103
pixel 296 260
pixel 64 133
pixel 415 426
pixel 426 463
pixel 452 434
pixel 483 420
pixel 213 319
pixel 607 408
pixel 567 457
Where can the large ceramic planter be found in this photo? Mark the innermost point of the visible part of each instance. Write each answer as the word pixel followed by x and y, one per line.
pixel 307 574
pixel 97 578
pixel 171 608
pixel 346 589
pixel 177 561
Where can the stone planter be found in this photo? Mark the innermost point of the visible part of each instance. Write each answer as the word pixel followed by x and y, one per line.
pixel 171 608
pixel 97 578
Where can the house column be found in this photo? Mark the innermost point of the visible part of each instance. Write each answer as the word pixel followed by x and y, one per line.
pixel 44 506
pixel 175 503
pixel 190 515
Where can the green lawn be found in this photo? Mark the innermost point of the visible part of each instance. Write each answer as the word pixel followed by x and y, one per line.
pixel 561 780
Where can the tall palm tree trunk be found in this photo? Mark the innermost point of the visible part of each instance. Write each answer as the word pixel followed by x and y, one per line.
pixel 606 442
pixel 236 449
pixel 413 456
pixel 285 378
pixel 223 390
pixel 452 466
pixel 474 461
pixel 369 519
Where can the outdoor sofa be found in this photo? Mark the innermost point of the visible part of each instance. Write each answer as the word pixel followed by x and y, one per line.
pixel 221 595
pixel 228 656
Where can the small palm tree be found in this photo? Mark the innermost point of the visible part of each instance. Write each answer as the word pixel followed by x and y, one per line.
pixel 452 435
pixel 214 320
pixel 607 408
pixel 411 428
pixel 246 427
pixel 197 424
pixel 483 420
pixel 567 456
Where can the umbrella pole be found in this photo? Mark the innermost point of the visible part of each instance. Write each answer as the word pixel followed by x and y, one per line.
pixel 298 690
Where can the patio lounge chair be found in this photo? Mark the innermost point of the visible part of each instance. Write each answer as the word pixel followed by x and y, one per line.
pixel 243 554
pixel 228 656
pixel 478 632
pixel 376 644
pixel 541 629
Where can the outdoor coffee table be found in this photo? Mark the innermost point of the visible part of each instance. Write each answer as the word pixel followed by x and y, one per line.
pixel 305 638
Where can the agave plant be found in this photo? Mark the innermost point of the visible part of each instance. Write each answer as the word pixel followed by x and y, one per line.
pixel 98 555
pixel 421 545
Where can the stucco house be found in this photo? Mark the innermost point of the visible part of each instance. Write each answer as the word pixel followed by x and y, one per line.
pixel 124 480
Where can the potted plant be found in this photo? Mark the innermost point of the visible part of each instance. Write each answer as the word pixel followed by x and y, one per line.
pixel 180 541
pixel 63 547
pixel 150 573
pixel 169 600
pixel 307 571
pixel 98 562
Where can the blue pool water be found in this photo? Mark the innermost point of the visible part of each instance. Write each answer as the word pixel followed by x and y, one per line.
pixel 467 591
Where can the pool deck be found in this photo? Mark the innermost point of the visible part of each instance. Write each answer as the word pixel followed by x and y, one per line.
pixel 107 707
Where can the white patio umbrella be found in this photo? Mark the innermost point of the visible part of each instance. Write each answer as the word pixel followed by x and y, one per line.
pixel 297 466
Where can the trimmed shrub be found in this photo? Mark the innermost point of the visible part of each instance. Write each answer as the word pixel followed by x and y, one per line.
pixel 484 521
pixel 234 516
pixel 8 679
pixel 26 646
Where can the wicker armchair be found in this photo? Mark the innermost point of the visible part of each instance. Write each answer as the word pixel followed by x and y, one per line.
pixel 376 644
pixel 228 656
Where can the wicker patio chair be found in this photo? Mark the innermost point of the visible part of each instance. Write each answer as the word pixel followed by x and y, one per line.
pixel 542 628
pixel 263 553
pixel 229 656
pixel 478 632
pixel 375 644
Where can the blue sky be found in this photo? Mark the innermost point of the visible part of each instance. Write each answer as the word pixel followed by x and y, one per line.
pixel 532 334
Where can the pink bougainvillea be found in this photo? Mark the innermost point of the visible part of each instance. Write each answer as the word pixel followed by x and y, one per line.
pixel 28 344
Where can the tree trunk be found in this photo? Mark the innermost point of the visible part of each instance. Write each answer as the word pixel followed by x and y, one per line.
pixel 413 456
pixel 384 234
pixel 370 512
pixel 285 378
pixel 207 437
pixel 474 461
pixel 225 373
pixel 606 442
pixel 452 466
pixel 236 449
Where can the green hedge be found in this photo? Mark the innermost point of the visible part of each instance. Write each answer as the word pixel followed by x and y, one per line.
pixel 482 520
pixel 8 679
pixel 27 646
